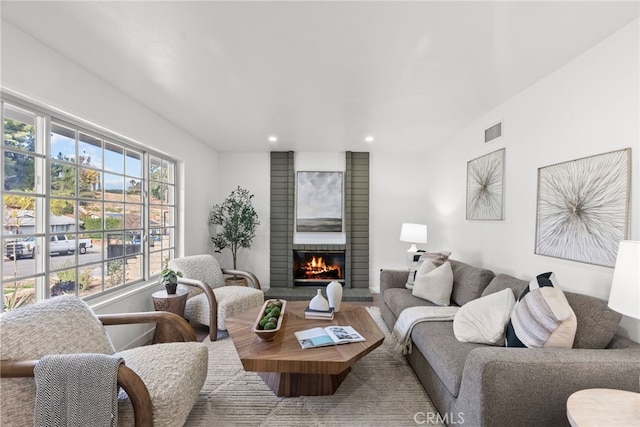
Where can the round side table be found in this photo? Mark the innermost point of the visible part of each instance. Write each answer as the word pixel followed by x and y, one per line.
pixel 173 303
pixel 603 407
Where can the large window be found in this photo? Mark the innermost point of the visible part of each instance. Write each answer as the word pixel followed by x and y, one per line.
pixel 83 211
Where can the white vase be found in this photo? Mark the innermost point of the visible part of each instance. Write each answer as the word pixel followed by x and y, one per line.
pixel 334 295
pixel 319 302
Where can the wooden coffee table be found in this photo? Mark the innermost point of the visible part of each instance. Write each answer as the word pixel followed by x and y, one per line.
pixel 288 369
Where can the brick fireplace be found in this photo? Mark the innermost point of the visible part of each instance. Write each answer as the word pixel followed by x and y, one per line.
pixel 354 253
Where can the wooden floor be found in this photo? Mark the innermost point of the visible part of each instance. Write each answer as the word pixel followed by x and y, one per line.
pixel 203 331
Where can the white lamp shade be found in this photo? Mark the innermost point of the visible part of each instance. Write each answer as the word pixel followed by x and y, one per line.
pixel 413 233
pixel 625 287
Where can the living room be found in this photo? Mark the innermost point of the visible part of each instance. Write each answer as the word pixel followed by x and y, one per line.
pixel 585 103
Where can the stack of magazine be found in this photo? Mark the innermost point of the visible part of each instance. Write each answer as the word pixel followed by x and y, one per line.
pixel 310 313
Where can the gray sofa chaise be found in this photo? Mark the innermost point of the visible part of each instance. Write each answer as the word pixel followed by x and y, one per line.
pixel 482 385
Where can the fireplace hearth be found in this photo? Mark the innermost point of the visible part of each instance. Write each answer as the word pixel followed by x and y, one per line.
pixel 317 267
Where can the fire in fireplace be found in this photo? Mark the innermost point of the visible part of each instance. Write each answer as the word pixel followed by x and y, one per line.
pixel 317 266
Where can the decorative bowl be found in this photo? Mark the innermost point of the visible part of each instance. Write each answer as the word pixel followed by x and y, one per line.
pixel 269 334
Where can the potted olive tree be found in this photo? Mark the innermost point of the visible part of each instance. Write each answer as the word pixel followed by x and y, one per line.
pixel 238 220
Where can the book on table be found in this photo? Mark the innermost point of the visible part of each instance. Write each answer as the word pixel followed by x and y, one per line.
pixel 331 335
pixel 310 313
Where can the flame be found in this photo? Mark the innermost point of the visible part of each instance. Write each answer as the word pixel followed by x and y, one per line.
pixel 317 266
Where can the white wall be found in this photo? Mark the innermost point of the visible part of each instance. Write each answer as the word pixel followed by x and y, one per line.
pixel 250 171
pixel 399 183
pixel 31 69
pixel 588 107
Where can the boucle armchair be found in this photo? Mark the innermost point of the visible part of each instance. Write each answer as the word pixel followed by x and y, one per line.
pixel 209 301
pixel 159 383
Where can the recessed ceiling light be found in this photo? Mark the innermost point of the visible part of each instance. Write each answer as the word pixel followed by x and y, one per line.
pixel 369 139
pixel 273 138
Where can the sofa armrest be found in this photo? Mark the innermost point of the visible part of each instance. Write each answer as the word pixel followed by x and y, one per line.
pixel 533 385
pixel 390 278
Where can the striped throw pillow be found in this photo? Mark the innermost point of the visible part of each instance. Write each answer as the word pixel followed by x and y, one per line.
pixel 542 317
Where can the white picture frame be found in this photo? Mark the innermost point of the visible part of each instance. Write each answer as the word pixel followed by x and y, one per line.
pixel 583 208
pixel 485 187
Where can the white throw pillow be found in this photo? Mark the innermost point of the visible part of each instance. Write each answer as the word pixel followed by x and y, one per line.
pixel 484 320
pixel 434 259
pixel 434 285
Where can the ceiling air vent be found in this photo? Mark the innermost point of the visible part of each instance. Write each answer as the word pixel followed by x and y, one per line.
pixel 493 133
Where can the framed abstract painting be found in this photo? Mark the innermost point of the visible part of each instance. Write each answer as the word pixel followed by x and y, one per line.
pixel 583 208
pixel 319 202
pixel 485 187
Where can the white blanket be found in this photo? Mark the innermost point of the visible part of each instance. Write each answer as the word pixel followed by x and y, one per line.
pixel 411 316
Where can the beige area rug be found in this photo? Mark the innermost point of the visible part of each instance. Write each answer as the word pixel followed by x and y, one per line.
pixel 380 390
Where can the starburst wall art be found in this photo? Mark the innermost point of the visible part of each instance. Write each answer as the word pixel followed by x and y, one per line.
pixel 485 182
pixel 583 208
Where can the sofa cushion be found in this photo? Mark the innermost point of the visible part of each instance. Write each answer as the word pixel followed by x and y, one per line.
pixel 446 355
pixel 542 317
pixel 484 320
pixel 434 283
pixel 503 281
pixel 597 323
pixel 468 282
pixel 397 299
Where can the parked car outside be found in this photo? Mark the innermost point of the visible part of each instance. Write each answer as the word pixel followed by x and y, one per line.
pixel 58 244
pixel 20 248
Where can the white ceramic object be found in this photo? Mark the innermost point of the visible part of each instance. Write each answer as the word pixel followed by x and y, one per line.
pixel 334 295
pixel 319 302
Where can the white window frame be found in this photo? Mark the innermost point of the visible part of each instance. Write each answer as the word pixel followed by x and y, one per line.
pixel 44 269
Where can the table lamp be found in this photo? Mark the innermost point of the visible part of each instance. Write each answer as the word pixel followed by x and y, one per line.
pixel 625 287
pixel 413 233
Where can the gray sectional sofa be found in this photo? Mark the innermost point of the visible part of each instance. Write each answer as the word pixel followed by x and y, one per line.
pixel 481 385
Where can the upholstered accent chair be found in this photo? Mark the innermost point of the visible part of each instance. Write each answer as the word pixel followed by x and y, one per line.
pixel 210 302
pixel 159 383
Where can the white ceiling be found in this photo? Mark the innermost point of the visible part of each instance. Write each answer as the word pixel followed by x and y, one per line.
pixel 320 75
